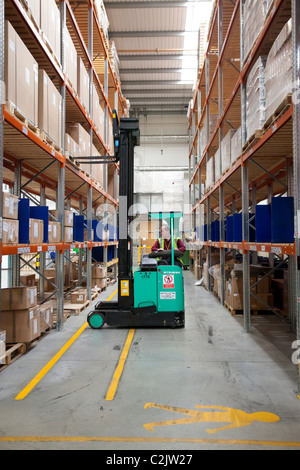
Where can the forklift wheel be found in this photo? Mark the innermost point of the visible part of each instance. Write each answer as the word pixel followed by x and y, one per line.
pixel 96 320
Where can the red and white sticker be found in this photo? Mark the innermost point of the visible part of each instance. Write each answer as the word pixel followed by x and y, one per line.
pixel 168 281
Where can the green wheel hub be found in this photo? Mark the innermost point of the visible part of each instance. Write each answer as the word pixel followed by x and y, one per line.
pixel 96 320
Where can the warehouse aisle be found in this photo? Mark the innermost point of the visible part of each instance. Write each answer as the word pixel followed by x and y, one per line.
pixel 186 389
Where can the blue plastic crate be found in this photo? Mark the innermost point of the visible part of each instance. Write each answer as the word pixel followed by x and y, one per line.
pixel 78 228
pixel 229 228
pixel 237 227
pixel 24 216
pixel 282 220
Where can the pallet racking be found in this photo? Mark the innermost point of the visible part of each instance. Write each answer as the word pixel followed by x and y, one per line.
pixel 268 161
pixel 33 165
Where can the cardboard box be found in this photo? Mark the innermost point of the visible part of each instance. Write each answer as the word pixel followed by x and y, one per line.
pixel 54 232
pixel 46 316
pixel 71 146
pixel 68 217
pixel 10 232
pixel 78 297
pixel 82 138
pixel 83 84
pixel 21 75
pixel 50 25
pixel 98 113
pixel 22 326
pixel 71 60
pixel 68 235
pixel 50 108
pixel 27 278
pixel 101 283
pixel 98 271
pixel 2 346
pixel 36 231
pixel 10 206
pixel 18 298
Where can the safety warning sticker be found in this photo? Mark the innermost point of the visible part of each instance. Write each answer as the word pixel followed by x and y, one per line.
pixel 167 295
pixel 168 281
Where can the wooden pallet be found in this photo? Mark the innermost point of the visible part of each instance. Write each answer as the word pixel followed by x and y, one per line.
pixel 13 353
pixel 29 13
pixel 284 105
pixel 13 110
pixel 49 141
pixel 252 140
pixel 76 309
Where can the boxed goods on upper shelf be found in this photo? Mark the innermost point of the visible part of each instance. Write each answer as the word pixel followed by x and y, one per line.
pixel 50 108
pixel 50 25
pixel 279 70
pixel 102 16
pixel 255 13
pixel 256 97
pixel 21 76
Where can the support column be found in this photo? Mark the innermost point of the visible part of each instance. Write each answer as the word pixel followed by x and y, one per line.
pixel 296 159
pixel 60 201
pixel 15 259
pixel 42 254
pixel 89 251
pixel 105 170
pixel 2 96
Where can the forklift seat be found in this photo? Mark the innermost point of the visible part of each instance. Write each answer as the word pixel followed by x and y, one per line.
pixel 148 264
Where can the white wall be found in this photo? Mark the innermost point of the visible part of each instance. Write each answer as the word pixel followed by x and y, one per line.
pixel 161 161
pixel 164 141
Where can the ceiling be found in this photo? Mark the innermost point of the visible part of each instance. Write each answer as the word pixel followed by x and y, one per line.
pixel 159 45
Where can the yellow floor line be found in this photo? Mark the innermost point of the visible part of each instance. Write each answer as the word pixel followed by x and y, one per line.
pixel 119 370
pixel 53 361
pixel 237 442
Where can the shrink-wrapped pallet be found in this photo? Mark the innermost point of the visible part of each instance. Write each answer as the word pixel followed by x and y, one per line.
pixel 279 70
pixel 210 172
pixel 114 59
pixel 102 16
pixel 226 150
pixel 50 26
pixel 98 113
pixel 83 84
pixel 236 145
pixel 256 97
pixel 21 76
pixel 205 133
pixel 71 60
pixel 50 108
pixel 217 165
pixel 255 12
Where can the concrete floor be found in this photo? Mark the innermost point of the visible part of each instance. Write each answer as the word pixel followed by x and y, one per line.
pixel 210 363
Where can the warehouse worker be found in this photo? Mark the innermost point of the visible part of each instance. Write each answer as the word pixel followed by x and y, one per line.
pixel 164 243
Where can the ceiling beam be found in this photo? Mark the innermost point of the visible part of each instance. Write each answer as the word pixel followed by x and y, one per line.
pixel 149 34
pixel 154 4
pixel 151 99
pixel 139 70
pixel 157 82
pixel 142 56
pixel 187 94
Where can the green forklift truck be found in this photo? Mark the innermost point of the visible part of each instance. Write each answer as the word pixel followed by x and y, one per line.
pixel 153 294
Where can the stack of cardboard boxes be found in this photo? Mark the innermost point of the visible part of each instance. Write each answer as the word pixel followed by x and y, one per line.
pixel 99 276
pixel 10 234
pixel 22 318
pixel 36 231
pixel 32 93
pixel 234 290
pixel 55 228
pixel 79 296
